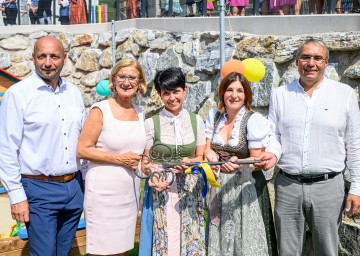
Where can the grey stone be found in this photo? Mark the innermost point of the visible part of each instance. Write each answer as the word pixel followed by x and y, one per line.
pixel 105 39
pixel 76 52
pixel 15 43
pixel 353 71
pixel 197 95
pixel 89 60
pixel 349 239
pixel 209 59
pixel 208 104
pixel 148 61
pixel 89 80
pixel 191 51
pixel 37 34
pixel 262 90
pixel 68 69
pixel 256 46
pixel 5 60
pixel 105 59
pixel 20 69
pixel 123 35
pixel 84 39
pixel 66 39
pixel 345 41
pixel 185 38
pixel 286 49
pixel 331 71
pixel 141 38
pixel 168 59
pixel 21 56
pixel 103 74
pixel 162 43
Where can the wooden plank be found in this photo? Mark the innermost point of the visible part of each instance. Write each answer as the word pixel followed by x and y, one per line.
pixel 19 252
pixel 76 251
pixel 12 244
pixel 137 230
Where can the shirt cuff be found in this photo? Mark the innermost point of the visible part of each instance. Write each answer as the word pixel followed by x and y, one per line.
pixel 354 189
pixel 276 152
pixel 17 196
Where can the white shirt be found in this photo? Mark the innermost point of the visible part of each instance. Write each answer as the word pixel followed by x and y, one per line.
pixel 318 134
pixel 39 130
pixel 175 130
pixel 259 133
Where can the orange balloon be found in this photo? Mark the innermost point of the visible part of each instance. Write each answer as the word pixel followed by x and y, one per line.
pixel 232 66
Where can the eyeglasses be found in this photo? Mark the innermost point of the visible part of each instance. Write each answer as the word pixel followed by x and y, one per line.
pixel 132 79
pixel 307 58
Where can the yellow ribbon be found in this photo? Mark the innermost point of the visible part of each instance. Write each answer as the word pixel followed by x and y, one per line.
pixel 208 172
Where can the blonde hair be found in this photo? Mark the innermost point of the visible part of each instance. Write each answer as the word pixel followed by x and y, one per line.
pixel 128 63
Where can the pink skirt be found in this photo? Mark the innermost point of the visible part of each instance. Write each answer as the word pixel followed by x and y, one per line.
pixel 210 6
pixel 278 4
pixel 238 2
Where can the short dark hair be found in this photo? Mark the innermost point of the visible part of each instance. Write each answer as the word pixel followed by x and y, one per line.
pixel 169 79
pixel 229 79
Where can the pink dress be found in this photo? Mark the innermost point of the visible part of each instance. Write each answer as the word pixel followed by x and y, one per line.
pixel 237 2
pixel 278 4
pixel 112 191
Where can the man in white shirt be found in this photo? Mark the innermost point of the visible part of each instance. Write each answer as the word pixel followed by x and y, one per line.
pixel 317 121
pixel 40 121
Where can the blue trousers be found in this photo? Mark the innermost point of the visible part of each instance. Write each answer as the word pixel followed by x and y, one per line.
pixel 55 210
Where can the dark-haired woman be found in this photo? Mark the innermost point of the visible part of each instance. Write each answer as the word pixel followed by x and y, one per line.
pixel 173 216
pixel 240 218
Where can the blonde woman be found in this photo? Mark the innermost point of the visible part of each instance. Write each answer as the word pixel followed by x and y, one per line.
pixel 112 139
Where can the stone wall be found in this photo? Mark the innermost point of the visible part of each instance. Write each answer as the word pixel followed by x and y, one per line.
pixel 197 53
pixel 89 60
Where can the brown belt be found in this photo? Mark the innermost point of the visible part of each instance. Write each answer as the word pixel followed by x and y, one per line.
pixel 62 178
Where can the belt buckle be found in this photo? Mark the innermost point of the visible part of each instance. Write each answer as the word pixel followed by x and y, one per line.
pixel 326 176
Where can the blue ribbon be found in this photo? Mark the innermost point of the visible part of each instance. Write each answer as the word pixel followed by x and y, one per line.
pixel 195 170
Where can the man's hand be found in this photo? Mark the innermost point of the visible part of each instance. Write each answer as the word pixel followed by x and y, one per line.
pixel 352 206
pixel 20 211
pixel 268 160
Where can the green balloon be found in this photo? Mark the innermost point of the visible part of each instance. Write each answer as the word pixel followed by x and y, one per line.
pixel 102 88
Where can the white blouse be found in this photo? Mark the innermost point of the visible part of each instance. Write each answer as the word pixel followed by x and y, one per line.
pixel 175 130
pixel 258 129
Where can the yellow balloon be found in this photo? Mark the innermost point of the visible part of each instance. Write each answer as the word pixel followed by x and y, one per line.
pixel 254 69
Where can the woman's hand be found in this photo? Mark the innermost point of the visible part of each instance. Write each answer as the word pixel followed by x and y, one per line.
pixel 129 159
pixel 159 184
pixel 211 156
pixel 183 167
pixel 230 167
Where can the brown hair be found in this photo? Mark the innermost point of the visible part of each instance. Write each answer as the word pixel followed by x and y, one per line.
pixel 127 63
pixel 226 81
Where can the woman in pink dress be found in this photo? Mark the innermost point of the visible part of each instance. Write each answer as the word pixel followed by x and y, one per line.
pixel 112 139
pixel 282 6
pixel 237 7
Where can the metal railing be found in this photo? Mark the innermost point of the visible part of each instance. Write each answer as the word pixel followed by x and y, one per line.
pixel 128 9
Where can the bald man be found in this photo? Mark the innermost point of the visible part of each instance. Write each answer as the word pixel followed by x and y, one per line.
pixel 40 121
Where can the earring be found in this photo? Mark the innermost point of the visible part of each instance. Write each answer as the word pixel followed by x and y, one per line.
pixel 114 94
